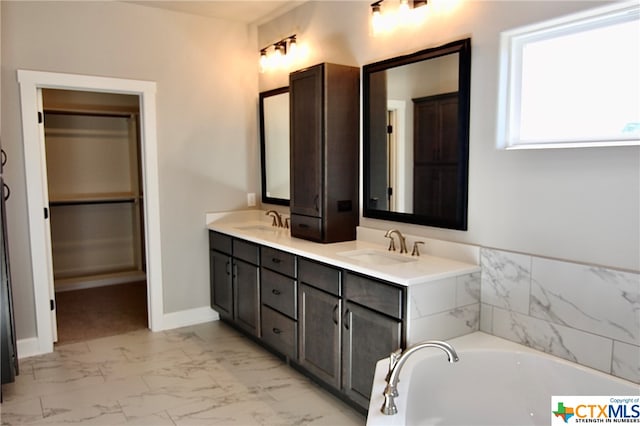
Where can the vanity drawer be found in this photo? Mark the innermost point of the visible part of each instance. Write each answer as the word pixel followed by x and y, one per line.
pixel 219 242
pixel 320 276
pixel 306 227
pixel 278 261
pixel 279 332
pixel 244 250
pixel 377 295
pixel 279 292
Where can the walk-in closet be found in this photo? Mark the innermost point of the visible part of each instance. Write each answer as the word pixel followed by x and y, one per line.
pixel 92 145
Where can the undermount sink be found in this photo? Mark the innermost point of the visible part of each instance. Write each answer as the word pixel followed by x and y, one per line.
pixel 376 257
pixel 262 228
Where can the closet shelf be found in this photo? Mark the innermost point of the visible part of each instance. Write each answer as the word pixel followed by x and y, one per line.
pixel 107 198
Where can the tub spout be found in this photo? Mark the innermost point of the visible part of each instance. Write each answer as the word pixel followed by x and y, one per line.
pixel 391 390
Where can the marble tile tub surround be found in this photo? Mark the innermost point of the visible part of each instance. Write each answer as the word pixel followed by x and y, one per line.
pixel 582 313
pixel 444 309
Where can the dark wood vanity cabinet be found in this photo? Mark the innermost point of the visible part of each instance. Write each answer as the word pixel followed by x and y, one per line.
pixel 331 323
pixel 324 136
pixel 221 284
pixel 320 307
pixel 235 285
pixel 246 274
pixel 279 290
pixel 372 329
pixel 436 156
pixel 347 323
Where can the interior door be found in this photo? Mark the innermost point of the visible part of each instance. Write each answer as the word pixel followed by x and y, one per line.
pixel 47 221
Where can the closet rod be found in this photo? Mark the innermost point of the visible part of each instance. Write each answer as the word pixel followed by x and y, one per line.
pixel 88 202
pixel 91 113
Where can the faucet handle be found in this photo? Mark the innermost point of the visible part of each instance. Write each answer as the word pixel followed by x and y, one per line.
pixel 392 243
pixel 416 250
pixel 393 360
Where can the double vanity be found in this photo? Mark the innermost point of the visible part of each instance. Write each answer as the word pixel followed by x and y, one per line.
pixel 330 297
pixel 333 310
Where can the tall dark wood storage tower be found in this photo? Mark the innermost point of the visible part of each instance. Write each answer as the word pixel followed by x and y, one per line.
pixel 324 152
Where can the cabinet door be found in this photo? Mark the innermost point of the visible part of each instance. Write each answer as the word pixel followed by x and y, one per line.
pixel 306 141
pixel 221 283
pixel 436 129
pixel 434 191
pixel 247 299
pixel 319 334
pixel 367 338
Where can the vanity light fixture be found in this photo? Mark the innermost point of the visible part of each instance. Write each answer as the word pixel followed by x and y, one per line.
pixel 273 55
pixel 376 17
pixel 399 15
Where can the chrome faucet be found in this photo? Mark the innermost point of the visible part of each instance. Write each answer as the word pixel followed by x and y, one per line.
pixel 397 360
pixel 403 241
pixel 277 219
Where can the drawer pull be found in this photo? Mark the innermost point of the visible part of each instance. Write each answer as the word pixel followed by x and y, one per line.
pixel 303 226
pixel 276 292
pixel 276 260
pixel 276 330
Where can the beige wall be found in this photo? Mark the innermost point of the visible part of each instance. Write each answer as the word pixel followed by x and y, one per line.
pixel 576 204
pixel 205 71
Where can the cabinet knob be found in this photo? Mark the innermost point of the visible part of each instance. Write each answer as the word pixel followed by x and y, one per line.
pixel 276 330
pixel 276 260
pixel 276 292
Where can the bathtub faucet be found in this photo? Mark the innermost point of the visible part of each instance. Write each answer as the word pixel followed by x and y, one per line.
pixel 397 360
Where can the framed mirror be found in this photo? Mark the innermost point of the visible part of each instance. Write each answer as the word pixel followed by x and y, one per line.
pixel 274 145
pixel 416 137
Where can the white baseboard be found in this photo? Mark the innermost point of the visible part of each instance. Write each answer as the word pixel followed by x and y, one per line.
pixel 28 347
pixel 188 317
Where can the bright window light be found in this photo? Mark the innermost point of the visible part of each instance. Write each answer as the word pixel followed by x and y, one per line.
pixel 573 81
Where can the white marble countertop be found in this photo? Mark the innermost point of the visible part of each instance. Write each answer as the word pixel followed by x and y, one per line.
pixel 255 227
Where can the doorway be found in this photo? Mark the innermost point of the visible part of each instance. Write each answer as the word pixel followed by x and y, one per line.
pixel 31 85
pixel 92 150
pixel 397 155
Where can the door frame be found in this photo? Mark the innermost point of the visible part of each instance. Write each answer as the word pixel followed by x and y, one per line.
pixel 37 193
pixel 398 108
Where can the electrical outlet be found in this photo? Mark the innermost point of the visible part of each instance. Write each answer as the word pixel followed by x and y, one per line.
pixel 251 199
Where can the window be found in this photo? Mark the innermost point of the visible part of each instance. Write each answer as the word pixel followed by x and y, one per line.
pixel 572 81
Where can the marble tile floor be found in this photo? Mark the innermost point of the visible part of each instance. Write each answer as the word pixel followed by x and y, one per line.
pixel 208 374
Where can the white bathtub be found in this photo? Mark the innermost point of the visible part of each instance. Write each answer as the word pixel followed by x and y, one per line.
pixel 496 382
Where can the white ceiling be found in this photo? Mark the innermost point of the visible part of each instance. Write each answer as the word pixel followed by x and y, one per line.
pixel 247 11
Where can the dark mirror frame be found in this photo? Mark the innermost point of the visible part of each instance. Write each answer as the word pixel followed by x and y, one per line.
pixel 459 222
pixel 263 158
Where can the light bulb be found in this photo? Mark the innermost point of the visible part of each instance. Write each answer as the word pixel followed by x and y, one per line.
pixel 263 60
pixel 377 21
pixel 293 46
pixel 404 7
